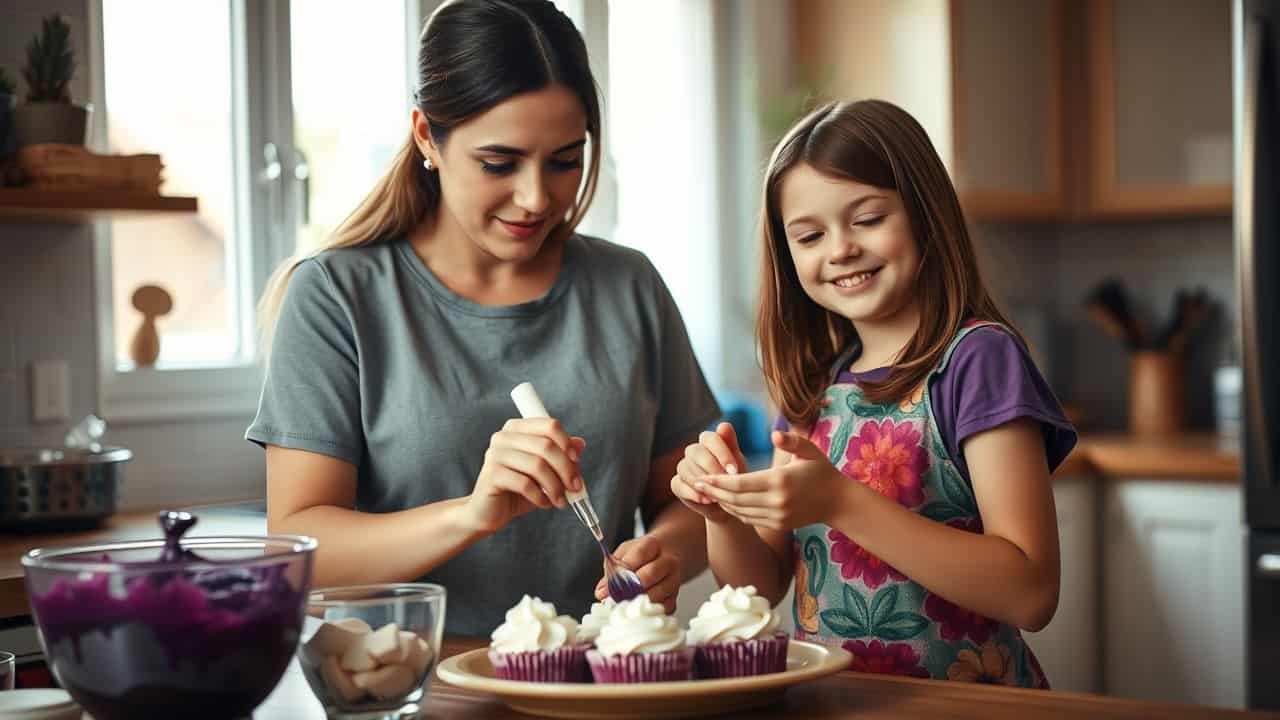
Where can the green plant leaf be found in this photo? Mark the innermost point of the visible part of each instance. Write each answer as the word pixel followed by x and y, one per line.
pixel 843 624
pixel 882 605
pixel 900 626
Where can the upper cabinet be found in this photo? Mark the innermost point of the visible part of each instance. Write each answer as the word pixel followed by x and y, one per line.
pixel 1110 108
pixel 1006 105
pixel 1159 99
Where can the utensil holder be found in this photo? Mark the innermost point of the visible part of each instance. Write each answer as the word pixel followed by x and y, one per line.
pixel 1157 400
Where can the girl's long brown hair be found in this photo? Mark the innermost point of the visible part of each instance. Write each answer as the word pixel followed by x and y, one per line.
pixel 875 143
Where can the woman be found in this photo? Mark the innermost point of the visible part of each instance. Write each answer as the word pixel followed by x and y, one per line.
pixel 386 415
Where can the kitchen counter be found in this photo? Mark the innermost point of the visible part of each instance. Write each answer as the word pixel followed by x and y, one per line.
pixel 137 525
pixel 1190 456
pixel 845 695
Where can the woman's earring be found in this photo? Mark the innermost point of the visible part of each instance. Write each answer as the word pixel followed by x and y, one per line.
pixel 426 163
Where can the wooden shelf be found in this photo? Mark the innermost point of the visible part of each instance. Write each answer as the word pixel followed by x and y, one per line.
pixel 24 204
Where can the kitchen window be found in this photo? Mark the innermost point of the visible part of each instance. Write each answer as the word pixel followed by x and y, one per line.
pixel 279 116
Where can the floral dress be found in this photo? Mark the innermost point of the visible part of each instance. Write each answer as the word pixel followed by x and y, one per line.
pixel 846 596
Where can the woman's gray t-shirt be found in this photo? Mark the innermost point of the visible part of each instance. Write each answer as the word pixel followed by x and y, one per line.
pixel 376 362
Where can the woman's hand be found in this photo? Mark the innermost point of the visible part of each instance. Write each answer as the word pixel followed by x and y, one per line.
pixel 806 490
pixel 530 463
pixel 658 569
pixel 715 453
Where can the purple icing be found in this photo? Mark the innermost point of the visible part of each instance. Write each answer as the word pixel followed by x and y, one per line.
pixel 157 640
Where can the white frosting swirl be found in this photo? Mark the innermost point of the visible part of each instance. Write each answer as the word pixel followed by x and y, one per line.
pixel 733 614
pixel 596 619
pixel 533 625
pixel 639 626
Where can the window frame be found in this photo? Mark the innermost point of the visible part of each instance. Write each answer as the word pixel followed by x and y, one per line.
pixel 262 109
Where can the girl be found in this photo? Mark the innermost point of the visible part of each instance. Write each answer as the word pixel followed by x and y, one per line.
pixel 909 494
pixel 385 413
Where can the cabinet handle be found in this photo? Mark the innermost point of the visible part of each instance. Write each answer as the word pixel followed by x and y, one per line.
pixel 1269 566
pixel 1257 446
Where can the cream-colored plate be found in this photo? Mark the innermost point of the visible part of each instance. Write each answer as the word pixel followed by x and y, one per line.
pixel 805 661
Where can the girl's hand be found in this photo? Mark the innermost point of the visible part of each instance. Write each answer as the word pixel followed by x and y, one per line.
pixel 530 464
pixel 715 453
pixel 658 569
pixel 806 490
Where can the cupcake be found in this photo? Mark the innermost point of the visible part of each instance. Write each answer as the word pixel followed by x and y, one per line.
pixel 736 634
pixel 594 620
pixel 536 645
pixel 640 643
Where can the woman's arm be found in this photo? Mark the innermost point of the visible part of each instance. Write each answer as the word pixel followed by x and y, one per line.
pixel 313 494
pixel 1010 571
pixel 528 465
pixel 673 548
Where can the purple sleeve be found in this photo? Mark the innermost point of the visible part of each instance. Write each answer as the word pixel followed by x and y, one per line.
pixel 992 380
pixel 781 424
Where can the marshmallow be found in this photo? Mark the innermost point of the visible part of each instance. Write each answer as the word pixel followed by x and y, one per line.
pixel 387 682
pixel 354 624
pixel 358 659
pixel 419 656
pixel 339 681
pixel 332 639
pixel 384 645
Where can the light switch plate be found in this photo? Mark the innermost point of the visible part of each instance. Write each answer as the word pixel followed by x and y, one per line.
pixel 50 391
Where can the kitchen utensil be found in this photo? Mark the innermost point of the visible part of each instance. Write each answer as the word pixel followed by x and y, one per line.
pixel 345 622
pixel 59 488
pixel 623 583
pixel 648 701
pixel 152 301
pixel 206 635
pixel 1109 304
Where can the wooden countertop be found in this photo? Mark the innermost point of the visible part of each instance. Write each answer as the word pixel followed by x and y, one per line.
pixel 1191 456
pixel 847 695
pixel 137 525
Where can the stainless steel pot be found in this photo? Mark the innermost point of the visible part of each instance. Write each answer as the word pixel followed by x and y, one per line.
pixel 45 489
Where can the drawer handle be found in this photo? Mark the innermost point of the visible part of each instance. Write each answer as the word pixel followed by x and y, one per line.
pixel 1269 566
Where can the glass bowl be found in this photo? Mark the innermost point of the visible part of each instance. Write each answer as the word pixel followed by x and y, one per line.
pixel 206 635
pixel 368 650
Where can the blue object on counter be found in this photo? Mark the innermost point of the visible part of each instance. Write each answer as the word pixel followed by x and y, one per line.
pixel 749 421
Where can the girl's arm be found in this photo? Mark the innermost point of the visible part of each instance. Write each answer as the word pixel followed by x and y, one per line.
pixel 1010 572
pixel 738 553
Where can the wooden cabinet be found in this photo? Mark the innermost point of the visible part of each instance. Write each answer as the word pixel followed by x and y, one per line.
pixel 1007 107
pixel 1173 592
pixel 1068 649
pixel 1109 108
pixel 1159 99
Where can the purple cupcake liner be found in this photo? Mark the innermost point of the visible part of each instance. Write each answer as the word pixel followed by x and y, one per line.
pixel 742 658
pixel 669 666
pixel 566 665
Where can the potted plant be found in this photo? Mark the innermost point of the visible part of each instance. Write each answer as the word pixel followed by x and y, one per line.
pixel 48 115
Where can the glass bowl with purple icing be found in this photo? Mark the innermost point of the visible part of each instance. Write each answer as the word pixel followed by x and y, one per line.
pixel 196 628
pixel 368 650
